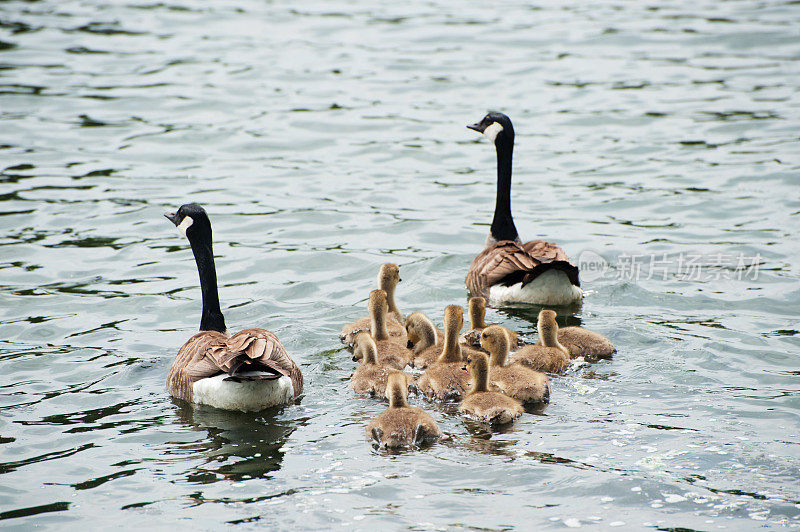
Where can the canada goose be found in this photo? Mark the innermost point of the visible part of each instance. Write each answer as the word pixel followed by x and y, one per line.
pixel 480 403
pixel 515 380
pixel 369 377
pixel 508 270
pixel 401 425
pixel 477 314
pixel 582 342
pixel 445 379
pixel 391 352
pixel 388 277
pixel 248 371
pixel 551 356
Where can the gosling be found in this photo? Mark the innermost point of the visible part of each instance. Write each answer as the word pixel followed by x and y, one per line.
pixel 582 342
pixel 422 334
pixel 369 377
pixel 489 407
pixel 446 379
pixel 427 341
pixel 551 357
pixel 477 315
pixel 515 380
pixel 402 425
pixel 391 350
pixel 388 277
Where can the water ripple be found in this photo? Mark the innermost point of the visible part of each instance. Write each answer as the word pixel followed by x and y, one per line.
pixel 328 138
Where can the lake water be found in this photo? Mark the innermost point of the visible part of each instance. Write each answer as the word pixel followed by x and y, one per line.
pixel 656 142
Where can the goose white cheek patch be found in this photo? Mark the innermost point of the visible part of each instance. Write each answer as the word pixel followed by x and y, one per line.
pixel 185 224
pixel 492 131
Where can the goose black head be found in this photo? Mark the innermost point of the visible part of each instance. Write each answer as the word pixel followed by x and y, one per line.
pixel 495 127
pixel 190 219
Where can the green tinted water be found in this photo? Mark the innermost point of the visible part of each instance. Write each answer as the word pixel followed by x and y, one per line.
pixel 655 142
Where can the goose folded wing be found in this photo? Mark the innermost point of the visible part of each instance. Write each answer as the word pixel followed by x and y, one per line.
pixel 196 360
pixel 551 257
pixel 545 251
pixel 209 353
pixel 213 356
pixel 508 263
pixel 505 263
pixel 263 351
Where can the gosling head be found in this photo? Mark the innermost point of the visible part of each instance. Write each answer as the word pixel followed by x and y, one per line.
pixel 478 367
pixel 495 340
pixel 548 328
pixel 477 312
pixel 453 319
pixel 420 329
pixel 364 348
pixel 191 220
pixel 496 127
pixel 397 389
pixel 388 276
pixel 377 302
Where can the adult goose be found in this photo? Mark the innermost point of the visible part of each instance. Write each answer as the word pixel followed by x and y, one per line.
pixel 507 270
pixel 248 371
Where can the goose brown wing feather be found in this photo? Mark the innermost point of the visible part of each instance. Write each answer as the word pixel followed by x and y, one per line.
pixel 210 353
pixel 544 251
pixel 506 263
pixel 196 360
pixel 263 347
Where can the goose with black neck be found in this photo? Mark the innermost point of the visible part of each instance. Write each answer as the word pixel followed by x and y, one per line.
pixel 508 270
pixel 248 371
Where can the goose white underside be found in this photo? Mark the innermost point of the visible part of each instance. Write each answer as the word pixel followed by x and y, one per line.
pixel 247 396
pixel 550 288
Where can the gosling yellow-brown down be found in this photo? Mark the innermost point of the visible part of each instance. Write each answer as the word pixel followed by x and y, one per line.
pixel 477 323
pixel 423 339
pixel 428 341
pixel 388 277
pixel 551 357
pixel 445 379
pixel 582 342
pixel 392 351
pixel 484 405
pixel 369 376
pixel 402 425
pixel 514 380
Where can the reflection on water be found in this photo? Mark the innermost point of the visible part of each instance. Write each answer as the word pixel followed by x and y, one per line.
pixel 482 440
pixel 568 315
pixel 329 139
pixel 238 446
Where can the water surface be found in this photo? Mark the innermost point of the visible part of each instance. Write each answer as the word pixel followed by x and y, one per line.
pixel 327 138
